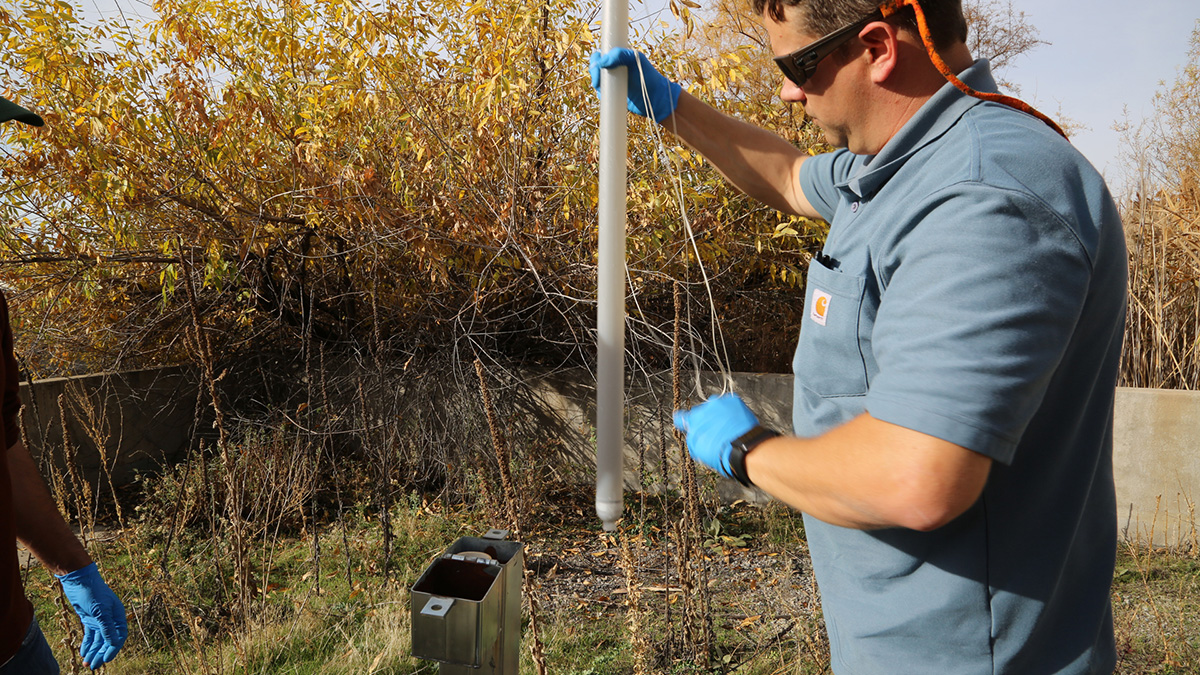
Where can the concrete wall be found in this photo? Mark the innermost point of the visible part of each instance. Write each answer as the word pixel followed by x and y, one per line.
pixel 1156 461
pixel 1156 445
pixel 569 399
pixel 146 419
pixel 115 423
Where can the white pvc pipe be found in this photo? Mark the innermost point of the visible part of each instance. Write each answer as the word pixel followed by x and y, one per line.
pixel 610 292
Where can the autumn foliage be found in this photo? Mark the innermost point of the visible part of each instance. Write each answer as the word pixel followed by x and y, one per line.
pixel 397 175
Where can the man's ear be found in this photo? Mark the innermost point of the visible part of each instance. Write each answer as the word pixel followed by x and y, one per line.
pixel 882 41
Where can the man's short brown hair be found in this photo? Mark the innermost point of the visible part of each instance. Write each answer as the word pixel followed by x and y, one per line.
pixel 945 17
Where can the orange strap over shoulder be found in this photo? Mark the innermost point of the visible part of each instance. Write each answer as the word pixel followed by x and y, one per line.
pixel 893 6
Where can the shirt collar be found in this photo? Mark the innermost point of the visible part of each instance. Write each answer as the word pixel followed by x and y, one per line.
pixel 935 118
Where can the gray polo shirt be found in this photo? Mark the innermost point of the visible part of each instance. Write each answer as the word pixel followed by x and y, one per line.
pixel 973 290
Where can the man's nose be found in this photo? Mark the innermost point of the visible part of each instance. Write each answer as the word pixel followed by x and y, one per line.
pixel 791 93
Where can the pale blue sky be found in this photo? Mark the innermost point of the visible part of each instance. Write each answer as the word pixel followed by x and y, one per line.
pixel 1105 56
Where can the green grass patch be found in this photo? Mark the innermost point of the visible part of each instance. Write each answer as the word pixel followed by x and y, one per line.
pixel 330 608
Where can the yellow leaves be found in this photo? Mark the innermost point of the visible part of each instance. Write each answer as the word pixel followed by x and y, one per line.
pixel 423 121
pixel 167 279
pixel 684 13
pixel 784 230
pixel 358 61
pixel 748 621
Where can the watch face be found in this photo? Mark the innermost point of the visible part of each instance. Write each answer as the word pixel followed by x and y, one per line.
pixel 740 447
pixel 755 436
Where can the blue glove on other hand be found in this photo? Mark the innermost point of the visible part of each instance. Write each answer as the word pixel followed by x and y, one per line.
pixel 100 611
pixel 662 93
pixel 712 427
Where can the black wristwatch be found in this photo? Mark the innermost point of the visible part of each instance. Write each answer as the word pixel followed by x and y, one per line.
pixel 742 446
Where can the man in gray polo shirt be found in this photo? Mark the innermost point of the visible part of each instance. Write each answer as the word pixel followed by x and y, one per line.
pixel 956 367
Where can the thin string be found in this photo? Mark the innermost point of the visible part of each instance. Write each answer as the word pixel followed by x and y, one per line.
pixel 720 351
pixel 893 6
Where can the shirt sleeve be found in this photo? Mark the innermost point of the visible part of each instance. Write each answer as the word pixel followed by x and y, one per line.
pixel 12 383
pixel 819 177
pixel 979 302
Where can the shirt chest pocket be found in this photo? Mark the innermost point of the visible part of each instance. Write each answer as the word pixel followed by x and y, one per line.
pixel 829 358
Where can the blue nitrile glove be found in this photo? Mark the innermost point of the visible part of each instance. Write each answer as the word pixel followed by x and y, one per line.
pixel 663 93
pixel 712 427
pixel 101 613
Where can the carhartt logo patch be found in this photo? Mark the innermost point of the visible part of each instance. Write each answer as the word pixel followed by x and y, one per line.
pixel 820 306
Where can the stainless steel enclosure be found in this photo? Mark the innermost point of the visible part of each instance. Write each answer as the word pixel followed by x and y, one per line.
pixel 466 607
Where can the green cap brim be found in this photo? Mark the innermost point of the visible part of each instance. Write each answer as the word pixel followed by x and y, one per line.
pixel 12 111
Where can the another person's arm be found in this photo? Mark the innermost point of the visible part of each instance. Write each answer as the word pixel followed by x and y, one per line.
pixel 42 529
pixel 39 524
pixel 44 532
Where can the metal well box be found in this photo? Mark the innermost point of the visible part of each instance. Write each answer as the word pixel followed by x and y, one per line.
pixel 466 606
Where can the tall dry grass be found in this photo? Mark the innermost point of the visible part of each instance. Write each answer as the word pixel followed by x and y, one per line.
pixel 1162 337
pixel 1162 224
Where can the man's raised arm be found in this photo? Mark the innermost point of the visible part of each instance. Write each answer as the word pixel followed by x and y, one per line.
pixel 761 164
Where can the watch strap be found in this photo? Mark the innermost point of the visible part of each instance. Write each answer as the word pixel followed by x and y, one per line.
pixel 742 446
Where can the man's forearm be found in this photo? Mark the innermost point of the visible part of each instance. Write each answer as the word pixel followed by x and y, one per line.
pixel 39 524
pixel 761 164
pixel 869 474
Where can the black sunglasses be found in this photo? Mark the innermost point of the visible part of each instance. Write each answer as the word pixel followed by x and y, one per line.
pixel 802 63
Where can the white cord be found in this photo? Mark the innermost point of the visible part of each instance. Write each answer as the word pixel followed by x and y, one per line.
pixel 720 352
